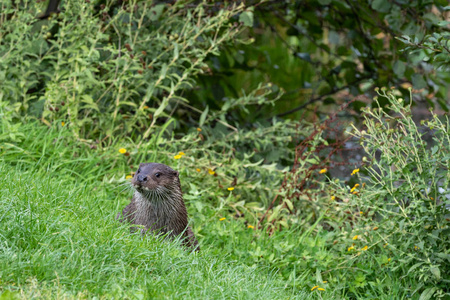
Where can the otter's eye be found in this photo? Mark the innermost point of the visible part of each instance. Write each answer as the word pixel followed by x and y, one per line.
pixel 157 174
pixel 139 170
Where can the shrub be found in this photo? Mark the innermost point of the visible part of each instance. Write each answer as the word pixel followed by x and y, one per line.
pixel 402 200
pixel 107 71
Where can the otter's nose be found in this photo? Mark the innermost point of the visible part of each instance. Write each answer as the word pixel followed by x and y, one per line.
pixel 141 178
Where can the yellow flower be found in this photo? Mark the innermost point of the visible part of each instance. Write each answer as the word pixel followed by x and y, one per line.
pixel 365 248
pixel 63 123
pixel 123 150
pixel 181 153
pixel 384 246
pixel 314 287
pixel 323 171
pixel 321 289
pixel 211 172
pixel 221 219
pixel 325 281
pixel 230 188
pixel 198 170
pixel 146 107
pixel 250 226
pixel 416 248
pixel 177 157
pixel 361 213
pixel 355 171
pixel 199 129
pixel 389 259
pixel 128 177
pixel 354 188
pixel 350 248
pixel 333 197
pixel 355 237
pixel 375 228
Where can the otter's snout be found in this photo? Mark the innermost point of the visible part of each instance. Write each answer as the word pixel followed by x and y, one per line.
pixel 142 178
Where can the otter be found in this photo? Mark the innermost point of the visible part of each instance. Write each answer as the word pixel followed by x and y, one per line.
pixel 158 204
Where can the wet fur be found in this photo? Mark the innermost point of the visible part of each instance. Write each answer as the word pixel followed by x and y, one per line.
pixel 158 205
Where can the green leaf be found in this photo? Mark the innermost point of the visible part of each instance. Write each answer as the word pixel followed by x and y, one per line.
pixel 289 204
pixel 414 267
pixel 428 293
pixel 381 5
pixel 319 279
pixel 203 116
pixel 247 18
pixel 274 214
pixel 156 12
pixel 399 68
pixel 436 272
pixel 160 109
pixel 418 82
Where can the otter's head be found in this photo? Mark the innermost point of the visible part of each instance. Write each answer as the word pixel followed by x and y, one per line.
pixel 153 180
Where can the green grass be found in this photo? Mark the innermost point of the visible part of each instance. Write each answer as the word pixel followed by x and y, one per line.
pixel 58 235
pixel 59 239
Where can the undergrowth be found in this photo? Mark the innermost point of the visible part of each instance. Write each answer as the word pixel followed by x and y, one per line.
pixel 57 199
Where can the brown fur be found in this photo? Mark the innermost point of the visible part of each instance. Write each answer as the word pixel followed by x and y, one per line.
pixel 158 204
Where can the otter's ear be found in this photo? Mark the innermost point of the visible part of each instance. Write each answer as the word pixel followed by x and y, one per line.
pixel 175 173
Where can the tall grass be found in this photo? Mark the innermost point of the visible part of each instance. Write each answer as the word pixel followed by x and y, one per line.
pixel 58 236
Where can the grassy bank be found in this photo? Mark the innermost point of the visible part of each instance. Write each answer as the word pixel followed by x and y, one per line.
pixel 59 238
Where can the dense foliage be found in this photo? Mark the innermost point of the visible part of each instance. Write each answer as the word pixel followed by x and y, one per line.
pixel 309 206
pixel 326 52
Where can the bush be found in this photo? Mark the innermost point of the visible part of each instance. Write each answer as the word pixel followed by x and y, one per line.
pixel 107 71
pixel 402 200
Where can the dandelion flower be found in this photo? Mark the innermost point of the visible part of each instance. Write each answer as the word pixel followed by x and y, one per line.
pixel 146 107
pixel 250 226
pixel 199 129
pixel 361 212
pixel 389 259
pixel 314 287
pixel 128 177
pixel 333 197
pixel 221 219
pixel 416 248
pixel 355 171
pixel 198 170
pixel 123 150
pixel 177 157
pixel 63 123
pixel 230 188
pixel 323 171
pixel 211 172
pixel 350 248
pixel 325 281
pixel 321 289
pixel 181 153
pixel 355 237
pixel 365 248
